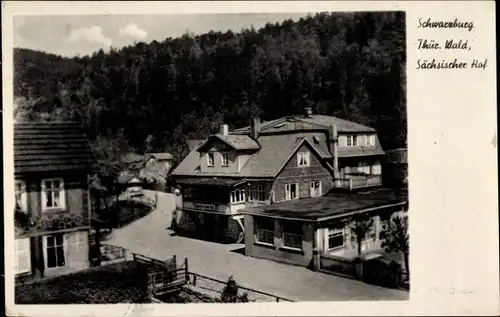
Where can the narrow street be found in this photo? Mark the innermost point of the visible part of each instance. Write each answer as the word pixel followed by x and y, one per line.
pixel 150 236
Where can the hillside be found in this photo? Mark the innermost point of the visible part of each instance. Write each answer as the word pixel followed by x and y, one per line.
pixel 155 96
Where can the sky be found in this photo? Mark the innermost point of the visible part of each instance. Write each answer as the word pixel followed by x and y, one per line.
pixel 83 34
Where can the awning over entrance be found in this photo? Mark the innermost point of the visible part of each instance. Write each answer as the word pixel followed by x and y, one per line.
pixel 210 181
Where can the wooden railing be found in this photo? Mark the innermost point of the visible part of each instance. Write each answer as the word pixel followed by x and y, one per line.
pixel 215 287
pixel 358 182
pixel 112 253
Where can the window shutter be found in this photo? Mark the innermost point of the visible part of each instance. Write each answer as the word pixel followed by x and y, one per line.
pixel 342 140
pixel 23 256
pixel 62 195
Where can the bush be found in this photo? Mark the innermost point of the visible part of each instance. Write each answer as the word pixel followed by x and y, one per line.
pixel 230 293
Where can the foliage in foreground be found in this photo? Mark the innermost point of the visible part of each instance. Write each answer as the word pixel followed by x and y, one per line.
pixel 115 283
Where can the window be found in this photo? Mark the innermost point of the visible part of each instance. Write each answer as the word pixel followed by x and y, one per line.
pixel 21 196
pixel 352 140
pixel 292 234
pixel 237 195
pixel 291 191
pixel 23 256
pixel 54 251
pixel 224 159
pixel 303 159
pixel 264 230
pixel 189 193
pixel 257 192
pixel 315 189
pixel 210 159
pixel 52 194
pixel 335 238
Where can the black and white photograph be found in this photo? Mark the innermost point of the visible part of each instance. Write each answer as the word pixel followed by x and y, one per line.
pixel 210 158
pixel 250 156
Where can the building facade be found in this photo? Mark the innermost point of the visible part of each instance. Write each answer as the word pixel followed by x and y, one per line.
pixel 282 160
pixel 290 233
pixel 52 214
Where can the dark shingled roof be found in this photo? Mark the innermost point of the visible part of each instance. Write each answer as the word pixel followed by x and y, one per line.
pixel 275 151
pixel 237 142
pixel 397 156
pixel 54 146
pixel 318 121
pixel 330 205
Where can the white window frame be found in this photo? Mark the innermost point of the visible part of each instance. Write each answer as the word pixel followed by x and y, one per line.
pixel 22 246
pixel 210 159
pixel 265 231
pixel 45 253
pixel 233 196
pixel 305 157
pixel 331 231
pixel 23 204
pixel 62 195
pixel 312 188
pixel 224 159
pixel 352 140
pixel 288 191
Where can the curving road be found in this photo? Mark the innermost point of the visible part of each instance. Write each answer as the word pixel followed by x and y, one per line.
pixel 150 236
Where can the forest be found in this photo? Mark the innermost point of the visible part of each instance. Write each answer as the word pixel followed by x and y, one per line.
pixel 155 96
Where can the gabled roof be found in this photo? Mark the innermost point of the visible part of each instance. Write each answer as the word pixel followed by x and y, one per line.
pixel 131 158
pixel 314 121
pixel 237 142
pixel 160 156
pixel 54 146
pixel 275 151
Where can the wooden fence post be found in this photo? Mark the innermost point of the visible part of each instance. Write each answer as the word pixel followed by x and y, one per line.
pixel 186 271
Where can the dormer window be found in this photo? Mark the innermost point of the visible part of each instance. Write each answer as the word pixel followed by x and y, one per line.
pixel 352 140
pixel 224 159
pixel 303 159
pixel 210 159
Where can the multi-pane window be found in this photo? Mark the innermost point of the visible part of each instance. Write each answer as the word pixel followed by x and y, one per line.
pixel 264 229
pixel 303 159
pixel 23 257
pixel 210 159
pixel 224 159
pixel 21 196
pixel 291 191
pixel 237 195
pixel 53 194
pixel 352 140
pixel 315 188
pixel 335 238
pixel 55 253
pixel 292 234
pixel 257 192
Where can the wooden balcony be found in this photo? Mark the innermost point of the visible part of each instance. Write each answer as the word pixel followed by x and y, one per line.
pixel 355 181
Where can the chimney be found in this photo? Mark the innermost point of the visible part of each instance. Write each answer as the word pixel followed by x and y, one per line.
pixel 334 142
pixel 224 129
pixel 309 112
pixel 255 128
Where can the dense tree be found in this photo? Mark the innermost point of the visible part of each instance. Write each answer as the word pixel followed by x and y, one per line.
pixel 360 227
pixel 346 64
pixel 395 238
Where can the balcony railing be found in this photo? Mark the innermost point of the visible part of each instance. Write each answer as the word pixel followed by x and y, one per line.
pixel 206 207
pixel 355 182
